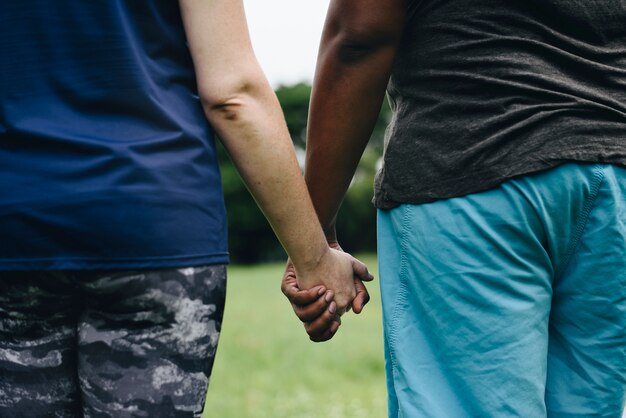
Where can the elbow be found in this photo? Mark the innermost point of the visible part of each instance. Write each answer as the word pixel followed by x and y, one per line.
pixel 225 99
pixel 224 108
pixel 356 33
pixel 353 45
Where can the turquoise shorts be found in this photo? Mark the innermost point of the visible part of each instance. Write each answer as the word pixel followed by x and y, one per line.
pixel 509 302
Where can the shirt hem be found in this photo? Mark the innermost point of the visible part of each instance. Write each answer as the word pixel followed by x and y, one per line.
pixel 85 263
pixel 384 199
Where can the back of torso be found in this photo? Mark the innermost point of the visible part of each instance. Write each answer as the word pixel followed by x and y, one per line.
pixel 485 90
pixel 107 159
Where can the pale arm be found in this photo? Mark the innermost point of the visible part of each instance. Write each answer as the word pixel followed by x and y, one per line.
pixel 242 108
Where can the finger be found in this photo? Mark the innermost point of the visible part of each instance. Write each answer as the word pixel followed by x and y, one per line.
pixel 303 297
pixel 362 297
pixel 361 271
pixel 289 284
pixel 344 310
pixel 309 312
pixel 327 335
pixel 323 323
pixel 334 245
pixel 289 287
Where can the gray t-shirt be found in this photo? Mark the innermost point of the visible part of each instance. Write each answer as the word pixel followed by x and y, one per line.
pixel 485 90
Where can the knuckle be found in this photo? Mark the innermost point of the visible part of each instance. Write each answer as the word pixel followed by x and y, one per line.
pixel 319 338
pixel 305 317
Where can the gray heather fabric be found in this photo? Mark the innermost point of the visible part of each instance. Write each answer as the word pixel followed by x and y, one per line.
pixel 108 344
pixel 485 90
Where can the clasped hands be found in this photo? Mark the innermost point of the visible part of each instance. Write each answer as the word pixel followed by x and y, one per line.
pixel 321 295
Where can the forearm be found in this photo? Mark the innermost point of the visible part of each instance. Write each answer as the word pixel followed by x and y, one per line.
pixel 351 76
pixel 242 108
pixel 252 129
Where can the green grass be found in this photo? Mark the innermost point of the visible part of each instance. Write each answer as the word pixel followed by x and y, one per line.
pixel 267 367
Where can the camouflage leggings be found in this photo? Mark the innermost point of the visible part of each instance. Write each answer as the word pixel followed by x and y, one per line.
pixel 108 344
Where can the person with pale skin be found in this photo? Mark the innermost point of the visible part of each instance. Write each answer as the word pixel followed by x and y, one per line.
pixel 501 209
pixel 242 108
pixel 112 225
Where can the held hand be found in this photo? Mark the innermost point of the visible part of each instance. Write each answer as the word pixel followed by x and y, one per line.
pixel 362 296
pixel 315 306
pixel 336 270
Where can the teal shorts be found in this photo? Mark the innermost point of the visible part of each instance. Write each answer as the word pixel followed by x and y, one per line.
pixel 509 302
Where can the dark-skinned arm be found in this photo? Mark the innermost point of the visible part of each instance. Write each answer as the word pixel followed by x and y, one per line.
pixel 357 50
pixel 356 54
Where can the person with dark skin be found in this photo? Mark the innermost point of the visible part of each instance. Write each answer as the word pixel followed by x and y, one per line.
pixel 501 199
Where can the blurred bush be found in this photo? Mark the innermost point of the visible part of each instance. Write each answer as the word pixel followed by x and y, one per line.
pixel 251 238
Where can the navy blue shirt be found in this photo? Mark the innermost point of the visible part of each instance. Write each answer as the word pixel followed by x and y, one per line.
pixel 106 158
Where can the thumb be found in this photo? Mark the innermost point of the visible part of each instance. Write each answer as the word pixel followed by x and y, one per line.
pixel 360 271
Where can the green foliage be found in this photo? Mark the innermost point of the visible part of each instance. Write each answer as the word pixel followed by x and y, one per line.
pixel 294 101
pixel 356 221
pixel 251 238
pixel 266 367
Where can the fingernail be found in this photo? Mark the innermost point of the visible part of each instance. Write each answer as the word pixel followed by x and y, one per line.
pixel 332 308
pixel 321 291
pixel 328 297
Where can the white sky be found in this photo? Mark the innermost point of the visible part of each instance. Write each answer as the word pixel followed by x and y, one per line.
pixel 285 36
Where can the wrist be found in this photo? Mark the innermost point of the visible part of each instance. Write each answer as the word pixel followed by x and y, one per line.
pixel 331 233
pixel 312 258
